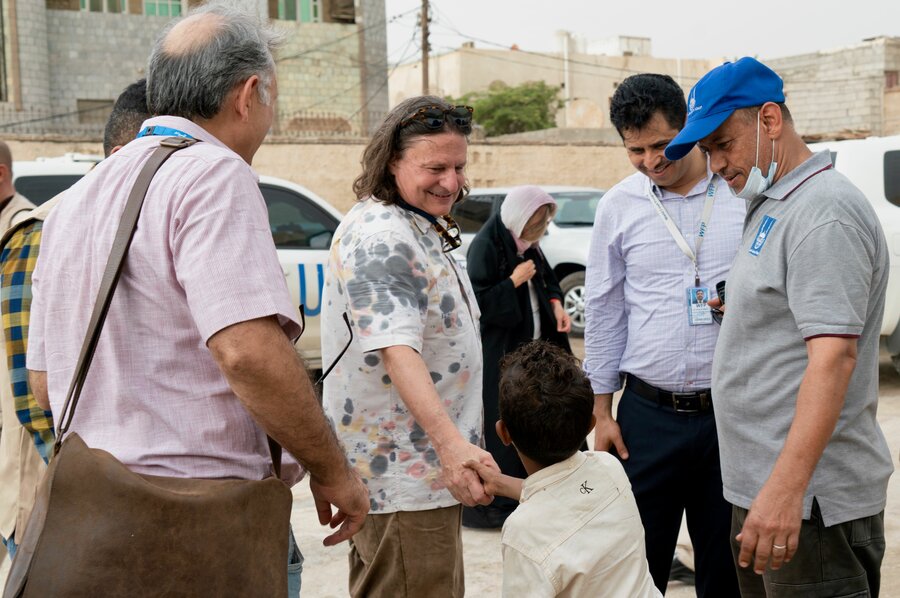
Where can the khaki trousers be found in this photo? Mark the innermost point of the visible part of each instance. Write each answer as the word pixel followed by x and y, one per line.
pixel 408 554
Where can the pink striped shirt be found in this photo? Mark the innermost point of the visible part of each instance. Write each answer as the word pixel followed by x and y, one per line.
pixel 202 259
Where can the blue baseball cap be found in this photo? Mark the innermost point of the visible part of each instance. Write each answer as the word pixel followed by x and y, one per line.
pixel 721 91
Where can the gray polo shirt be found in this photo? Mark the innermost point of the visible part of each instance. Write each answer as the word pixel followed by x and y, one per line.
pixel 812 261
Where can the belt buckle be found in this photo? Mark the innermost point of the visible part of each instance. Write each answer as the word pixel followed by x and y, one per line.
pixel 685 396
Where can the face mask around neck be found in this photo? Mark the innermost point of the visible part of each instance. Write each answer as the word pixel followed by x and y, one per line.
pixel 756 183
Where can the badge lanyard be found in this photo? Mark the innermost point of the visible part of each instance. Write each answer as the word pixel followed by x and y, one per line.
pixel 166 131
pixel 673 228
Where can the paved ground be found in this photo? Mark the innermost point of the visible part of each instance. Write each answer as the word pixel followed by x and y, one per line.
pixel 325 569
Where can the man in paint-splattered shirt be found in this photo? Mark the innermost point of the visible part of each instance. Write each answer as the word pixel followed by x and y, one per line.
pixel 405 399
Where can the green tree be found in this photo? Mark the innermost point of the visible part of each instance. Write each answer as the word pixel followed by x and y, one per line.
pixel 502 109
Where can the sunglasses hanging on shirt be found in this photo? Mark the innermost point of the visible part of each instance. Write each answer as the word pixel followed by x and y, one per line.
pixel 450 234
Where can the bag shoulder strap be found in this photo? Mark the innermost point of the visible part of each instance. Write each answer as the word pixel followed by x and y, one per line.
pixel 121 243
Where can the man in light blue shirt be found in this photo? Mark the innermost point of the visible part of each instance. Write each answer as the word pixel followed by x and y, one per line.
pixel 662 237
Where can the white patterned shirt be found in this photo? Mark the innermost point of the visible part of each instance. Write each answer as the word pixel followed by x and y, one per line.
pixel 386 270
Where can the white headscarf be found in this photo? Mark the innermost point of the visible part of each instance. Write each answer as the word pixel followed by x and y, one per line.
pixel 519 206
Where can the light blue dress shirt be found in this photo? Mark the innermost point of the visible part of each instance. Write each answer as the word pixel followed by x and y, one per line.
pixel 636 281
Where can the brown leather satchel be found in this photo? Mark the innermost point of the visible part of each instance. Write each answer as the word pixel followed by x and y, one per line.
pixel 99 529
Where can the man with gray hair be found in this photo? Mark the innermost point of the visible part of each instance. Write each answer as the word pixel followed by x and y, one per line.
pixel 195 365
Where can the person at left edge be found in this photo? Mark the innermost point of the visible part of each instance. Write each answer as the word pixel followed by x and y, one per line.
pixel 13 207
pixel 195 364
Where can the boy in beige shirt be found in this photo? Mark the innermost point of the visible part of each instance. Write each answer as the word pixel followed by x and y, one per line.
pixel 577 531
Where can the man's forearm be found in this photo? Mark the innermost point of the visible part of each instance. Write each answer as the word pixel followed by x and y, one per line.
pixel 265 372
pixel 819 403
pixel 410 376
pixel 603 405
pixel 37 381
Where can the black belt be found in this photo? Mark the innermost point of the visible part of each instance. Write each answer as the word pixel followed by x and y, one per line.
pixel 681 402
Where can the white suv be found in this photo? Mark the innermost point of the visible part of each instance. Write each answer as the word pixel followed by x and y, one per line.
pixel 566 243
pixel 302 225
pixel 873 164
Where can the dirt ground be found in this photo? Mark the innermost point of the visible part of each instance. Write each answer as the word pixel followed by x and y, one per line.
pixel 325 569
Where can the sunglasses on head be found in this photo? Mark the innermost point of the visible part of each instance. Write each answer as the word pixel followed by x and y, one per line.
pixel 434 116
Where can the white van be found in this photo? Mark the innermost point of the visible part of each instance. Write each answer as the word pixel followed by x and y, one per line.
pixel 302 225
pixel 873 164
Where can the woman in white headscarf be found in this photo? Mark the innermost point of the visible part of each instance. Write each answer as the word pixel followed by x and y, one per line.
pixel 520 300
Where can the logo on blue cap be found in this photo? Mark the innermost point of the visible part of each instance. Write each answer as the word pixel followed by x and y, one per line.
pixel 718 94
pixel 692 104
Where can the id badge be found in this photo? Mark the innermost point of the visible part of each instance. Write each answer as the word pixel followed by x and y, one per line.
pixel 698 308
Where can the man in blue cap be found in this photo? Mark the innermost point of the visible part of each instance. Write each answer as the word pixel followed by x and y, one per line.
pixel 795 372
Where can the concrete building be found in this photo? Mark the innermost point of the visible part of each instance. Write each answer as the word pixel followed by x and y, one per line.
pixel 844 92
pixel 65 61
pixel 587 73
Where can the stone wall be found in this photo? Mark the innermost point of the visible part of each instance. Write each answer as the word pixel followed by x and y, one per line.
pixel 318 76
pixel 34 71
pixel 892 112
pixel 836 91
pixel 71 55
pixel 374 66
pixel 94 56
pixel 328 167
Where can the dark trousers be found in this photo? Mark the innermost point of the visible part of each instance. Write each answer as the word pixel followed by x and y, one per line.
pixel 673 466
pixel 842 561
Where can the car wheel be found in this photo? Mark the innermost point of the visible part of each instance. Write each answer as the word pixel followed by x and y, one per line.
pixel 573 300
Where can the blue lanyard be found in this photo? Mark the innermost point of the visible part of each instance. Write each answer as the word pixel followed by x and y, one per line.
pixel 163 131
pixel 402 203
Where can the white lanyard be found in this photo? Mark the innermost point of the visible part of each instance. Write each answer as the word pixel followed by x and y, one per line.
pixel 673 228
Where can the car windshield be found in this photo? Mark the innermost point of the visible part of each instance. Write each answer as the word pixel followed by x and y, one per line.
pixel 576 208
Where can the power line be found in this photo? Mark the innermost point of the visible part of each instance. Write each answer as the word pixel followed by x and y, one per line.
pixel 357 84
pixel 337 40
pixel 617 70
pixel 104 106
pixel 387 78
pixel 541 54
pixel 533 65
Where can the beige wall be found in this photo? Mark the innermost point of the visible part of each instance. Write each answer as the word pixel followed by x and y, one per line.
pixel 892 111
pixel 592 78
pixel 329 167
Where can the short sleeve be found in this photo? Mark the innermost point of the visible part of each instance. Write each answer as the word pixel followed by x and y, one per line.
pixel 28 269
pixel 829 276
pixel 523 577
pixel 224 255
pixel 387 287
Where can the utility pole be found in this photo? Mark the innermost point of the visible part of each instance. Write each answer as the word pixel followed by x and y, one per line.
pixel 425 47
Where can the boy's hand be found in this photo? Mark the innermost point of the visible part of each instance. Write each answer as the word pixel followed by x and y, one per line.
pixel 496 483
pixel 460 480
